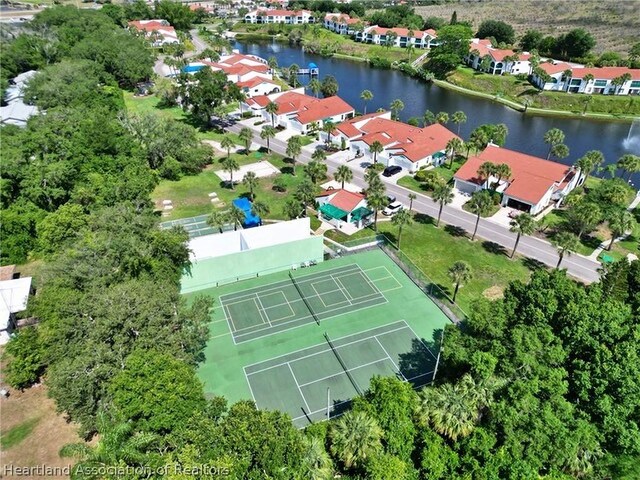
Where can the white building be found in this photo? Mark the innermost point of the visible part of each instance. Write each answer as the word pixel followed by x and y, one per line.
pixel 159 31
pixel 341 23
pixel 562 76
pixel 289 17
pixel 16 112
pixel 499 60
pixel 14 295
pixel 339 207
pixel 399 37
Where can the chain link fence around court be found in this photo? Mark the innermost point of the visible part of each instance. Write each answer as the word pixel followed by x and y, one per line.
pixel 380 241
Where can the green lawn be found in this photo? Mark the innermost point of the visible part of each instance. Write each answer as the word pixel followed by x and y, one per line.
pixel 435 250
pixel 18 433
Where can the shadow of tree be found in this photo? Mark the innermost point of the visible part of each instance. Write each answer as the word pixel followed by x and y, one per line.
pixel 494 248
pixel 417 365
pixel 287 170
pixel 455 231
pixel 533 264
pixel 423 219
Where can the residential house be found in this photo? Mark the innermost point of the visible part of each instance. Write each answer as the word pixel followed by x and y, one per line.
pixel 289 17
pixel 207 7
pixel 15 111
pixel 499 61
pixel 533 185
pixel 160 32
pixel 562 76
pixel 14 295
pixel 301 112
pixel 398 37
pixel 341 23
pixel 339 207
pixel 409 147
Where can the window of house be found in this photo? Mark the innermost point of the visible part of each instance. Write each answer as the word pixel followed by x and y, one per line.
pixel 601 83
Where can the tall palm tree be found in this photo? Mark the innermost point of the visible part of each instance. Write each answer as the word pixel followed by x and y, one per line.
pixel 429 118
pixel 587 100
pixel 396 107
pixel 319 155
pixel 306 193
pixel 523 224
pixel 316 461
pixel 480 204
pixel 292 208
pixel 460 273
pixel 401 219
pixel 412 197
pixel 218 219
pixel 443 195
pixel 366 96
pixel 486 170
pixel 267 133
pixel 454 146
pixel 502 171
pixel 355 437
pixel 315 86
pixel 629 163
pixel 272 109
pixel 250 181
pixel 236 216
pixel 227 143
pixel 458 118
pixel 620 222
pixel 327 127
pixel 272 62
pixel 560 151
pixel 343 174
pixel 376 148
pixel 293 75
pixel 372 178
pixel 246 135
pixel 294 148
pixel 260 210
pixel 566 243
pixel 315 170
pixel 553 137
pixel 230 165
pixel 442 118
pixel 376 200
pixel 589 162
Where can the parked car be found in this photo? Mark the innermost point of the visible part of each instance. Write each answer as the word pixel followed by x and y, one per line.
pixel 390 199
pixel 392 209
pixel 391 170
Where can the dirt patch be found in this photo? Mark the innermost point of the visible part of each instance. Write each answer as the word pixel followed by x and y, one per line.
pixel 49 434
pixel 494 293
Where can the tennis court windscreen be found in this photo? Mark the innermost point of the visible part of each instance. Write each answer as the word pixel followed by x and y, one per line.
pixel 344 367
pixel 304 299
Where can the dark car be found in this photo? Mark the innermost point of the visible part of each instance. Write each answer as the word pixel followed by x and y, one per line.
pixel 392 170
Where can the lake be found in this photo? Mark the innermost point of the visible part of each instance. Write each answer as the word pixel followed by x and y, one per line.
pixel 525 131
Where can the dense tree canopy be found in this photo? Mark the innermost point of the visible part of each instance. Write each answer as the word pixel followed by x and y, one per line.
pixel 501 31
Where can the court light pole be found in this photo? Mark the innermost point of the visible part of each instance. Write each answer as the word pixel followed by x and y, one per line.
pixel 328 402
pixel 435 370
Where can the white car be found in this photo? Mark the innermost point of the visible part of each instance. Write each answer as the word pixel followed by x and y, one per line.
pixel 392 209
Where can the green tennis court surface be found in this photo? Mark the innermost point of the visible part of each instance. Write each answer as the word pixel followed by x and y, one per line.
pixel 266 346
pixel 195 226
pixel 279 306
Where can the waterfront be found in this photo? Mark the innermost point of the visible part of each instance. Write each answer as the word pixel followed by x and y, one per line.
pixel 525 131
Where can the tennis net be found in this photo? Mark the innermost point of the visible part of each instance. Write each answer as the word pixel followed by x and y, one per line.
pixel 295 284
pixel 344 367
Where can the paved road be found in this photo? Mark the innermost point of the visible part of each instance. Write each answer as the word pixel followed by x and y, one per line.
pixel 578 266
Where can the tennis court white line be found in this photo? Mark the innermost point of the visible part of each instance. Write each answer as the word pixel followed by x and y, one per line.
pixel 250 389
pixel 362 274
pixel 317 353
pixel 346 300
pixel 227 315
pixel 256 300
pixel 282 291
pixel 304 399
pixel 341 286
pixel 342 372
pixel 420 339
pixel 387 353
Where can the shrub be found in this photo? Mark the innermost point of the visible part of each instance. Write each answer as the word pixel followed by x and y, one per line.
pixel 429 177
pixel 378 167
pixel 379 62
pixel 280 184
pixel 26 362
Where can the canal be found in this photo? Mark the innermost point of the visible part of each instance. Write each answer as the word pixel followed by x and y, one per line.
pixel 525 131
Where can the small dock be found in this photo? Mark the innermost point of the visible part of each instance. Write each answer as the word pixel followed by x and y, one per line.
pixel 311 70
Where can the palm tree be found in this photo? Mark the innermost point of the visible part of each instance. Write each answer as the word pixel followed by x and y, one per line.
pixel 272 109
pixel 260 210
pixel 461 273
pixel 292 208
pixel 560 151
pixel 442 118
pixel 396 107
pixel 566 243
pixel 629 163
pixel 218 219
pixel 230 165
pixel 355 437
pixel 443 195
pixel 502 171
pixel 527 102
pixel 429 118
pixel 377 200
pixel 620 222
pixel 372 178
pixel 315 86
pixel 272 62
pixel 486 170
pixel 250 181
pixel 315 170
pixel 343 174
pixel 366 96
pixel 458 118
pixel 376 148
pixel 453 146
pixel 480 204
pixel 306 193
pixel 327 127
pixel 293 75
pixel 412 197
pixel 246 135
pixel 316 462
pixel 319 155
pixel 523 224
pixel 553 137
pixel 588 100
pixel 236 216
pixel 294 148
pixel 267 133
pixel 590 162
pixel 227 143
pixel 401 219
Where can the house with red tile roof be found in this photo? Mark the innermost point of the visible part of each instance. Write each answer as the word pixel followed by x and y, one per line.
pixel 290 17
pixel 159 31
pixel 342 23
pixel 207 7
pixel 533 185
pixel 339 206
pixel 572 78
pixel 409 147
pixel 398 37
pixel 499 61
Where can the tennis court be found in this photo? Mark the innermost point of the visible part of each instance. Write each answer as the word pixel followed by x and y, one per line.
pixel 195 226
pixel 315 382
pixel 279 306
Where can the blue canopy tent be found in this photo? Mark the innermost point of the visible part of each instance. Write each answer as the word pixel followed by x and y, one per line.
pixel 250 220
